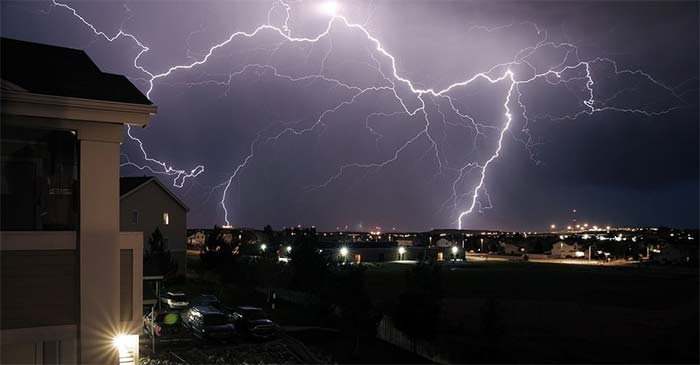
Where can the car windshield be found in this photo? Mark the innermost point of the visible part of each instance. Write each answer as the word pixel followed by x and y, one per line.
pixel 215 320
pixel 253 314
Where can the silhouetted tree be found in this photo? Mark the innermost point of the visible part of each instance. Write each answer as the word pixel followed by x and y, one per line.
pixel 346 295
pixel 419 307
pixel 158 257
pixel 309 267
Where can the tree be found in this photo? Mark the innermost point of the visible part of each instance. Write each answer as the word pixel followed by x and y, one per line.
pixel 346 295
pixel 158 257
pixel 309 267
pixel 217 253
pixel 420 306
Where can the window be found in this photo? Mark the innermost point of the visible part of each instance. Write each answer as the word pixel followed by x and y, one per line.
pixel 135 216
pixel 166 218
pixel 40 187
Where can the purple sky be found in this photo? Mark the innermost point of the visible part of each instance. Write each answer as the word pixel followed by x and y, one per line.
pixel 615 167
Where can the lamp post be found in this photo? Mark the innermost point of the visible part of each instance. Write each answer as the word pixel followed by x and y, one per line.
pixel 454 253
pixel 402 251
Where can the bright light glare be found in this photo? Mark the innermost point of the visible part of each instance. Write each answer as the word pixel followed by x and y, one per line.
pixel 402 250
pixel 343 251
pixel 120 341
pixel 329 7
pixel 263 247
pixel 289 248
pixel 454 250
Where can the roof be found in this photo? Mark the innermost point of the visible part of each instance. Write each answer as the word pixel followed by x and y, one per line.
pixel 59 71
pixel 130 184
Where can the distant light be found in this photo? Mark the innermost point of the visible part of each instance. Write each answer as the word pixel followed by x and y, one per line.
pixel 553 226
pixel 454 250
pixel 580 254
pixel 402 250
pixel 289 249
pixel 329 8
pixel 343 251
pixel 263 247
pixel 568 227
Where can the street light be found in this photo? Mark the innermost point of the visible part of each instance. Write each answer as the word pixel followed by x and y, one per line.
pixel 402 251
pixel 263 247
pixel 289 249
pixel 454 252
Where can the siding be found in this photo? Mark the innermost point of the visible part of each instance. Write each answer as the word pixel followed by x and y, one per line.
pixel 39 288
pixel 126 290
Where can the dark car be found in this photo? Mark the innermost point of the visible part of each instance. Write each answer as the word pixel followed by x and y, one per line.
pixel 209 323
pixel 252 321
pixel 205 300
pixel 166 324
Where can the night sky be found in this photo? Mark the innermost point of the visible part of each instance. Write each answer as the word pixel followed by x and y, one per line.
pixel 636 167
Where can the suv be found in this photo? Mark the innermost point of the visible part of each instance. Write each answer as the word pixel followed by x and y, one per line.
pixel 209 323
pixel 205 300
pixel 252 321
pixel 174 300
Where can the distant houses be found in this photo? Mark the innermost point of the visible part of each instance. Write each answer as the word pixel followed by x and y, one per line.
pixel 566 250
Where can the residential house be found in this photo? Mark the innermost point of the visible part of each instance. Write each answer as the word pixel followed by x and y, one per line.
pixel 563 249
pixel 71 280
pixel 146 205
pixel 512 249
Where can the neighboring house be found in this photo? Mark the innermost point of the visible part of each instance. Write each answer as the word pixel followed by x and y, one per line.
pixel 71 281
pixel 512 249
pixel 562 250
pixel 443 242
pixel 146 204
pixel 676 254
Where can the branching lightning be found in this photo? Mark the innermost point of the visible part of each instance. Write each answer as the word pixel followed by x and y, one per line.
pixel 512 75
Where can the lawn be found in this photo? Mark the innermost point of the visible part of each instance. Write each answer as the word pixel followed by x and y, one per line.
pixel 563 313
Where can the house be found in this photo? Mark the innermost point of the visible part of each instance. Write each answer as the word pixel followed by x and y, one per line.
pixel 674 253
pixel 444 242
pixel 512 249
pixel 563 249
pixel 146 205
pixel 71 280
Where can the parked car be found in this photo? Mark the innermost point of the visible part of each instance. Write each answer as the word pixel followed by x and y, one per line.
pixel 166 324
pixel 252 321
pixel 209 323
pixel 175 300
pixel 205 300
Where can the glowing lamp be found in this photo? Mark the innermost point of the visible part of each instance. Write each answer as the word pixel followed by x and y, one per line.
pixel 343 251
pixel 402 250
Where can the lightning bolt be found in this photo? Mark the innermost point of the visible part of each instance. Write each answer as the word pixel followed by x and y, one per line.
pixel 513 74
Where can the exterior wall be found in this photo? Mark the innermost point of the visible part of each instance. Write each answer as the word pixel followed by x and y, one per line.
pixel 99 249
pixel 88 260
pixel 151 202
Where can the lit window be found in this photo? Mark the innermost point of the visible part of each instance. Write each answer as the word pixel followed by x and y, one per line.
pixel 166 218
pixel 135 216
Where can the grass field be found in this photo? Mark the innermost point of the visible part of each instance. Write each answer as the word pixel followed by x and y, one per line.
pixel 563 313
